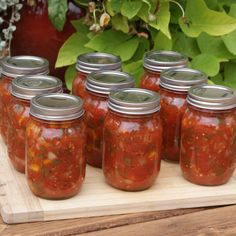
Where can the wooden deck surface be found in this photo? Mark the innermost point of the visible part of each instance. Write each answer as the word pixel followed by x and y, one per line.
pixel 199 221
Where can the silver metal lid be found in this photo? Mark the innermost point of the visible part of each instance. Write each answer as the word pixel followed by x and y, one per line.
pixel 24 65
pixel 134 101
pixel 163 60
pixel 212 97
pixel 27 87
pixel 90 62
pixel 56 107
pixel 103 82
pixel 181 79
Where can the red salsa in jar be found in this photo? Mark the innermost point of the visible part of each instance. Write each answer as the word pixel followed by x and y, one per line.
pixel 55 140
pixel 13 67
pixel 23 90
pixel 132 139
pixel 99 84
pixel 208 141
pixel 157 61
pixel 90 62
pixel 174 86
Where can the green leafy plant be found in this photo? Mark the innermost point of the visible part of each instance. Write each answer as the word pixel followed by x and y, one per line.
pixel 204 30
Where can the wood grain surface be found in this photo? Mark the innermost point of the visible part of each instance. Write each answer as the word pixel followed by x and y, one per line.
pixel 96 198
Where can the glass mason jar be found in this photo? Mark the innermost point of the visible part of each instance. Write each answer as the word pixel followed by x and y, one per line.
pixel 132 139
pixel 157 61
pixel 55 140
pixel 174 86
pixel 208 141
pixel 23 90
pixel 99 85
pixel 91 62
pixel 13 67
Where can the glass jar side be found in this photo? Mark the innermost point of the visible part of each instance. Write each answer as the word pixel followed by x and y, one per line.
pixel 55 161
pixel 132 150
pixel 96 108
pixel 150 80
pixel 5 101
pixel 78 85
pixel 173 106
pixel 18 113
pixel 208 145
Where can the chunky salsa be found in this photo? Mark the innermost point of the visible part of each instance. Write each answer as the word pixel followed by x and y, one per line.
pixel 150 80
pixel 132 149
pixel 18 118
pixel 5 101
pixel 78 87
pixel 208 146
pixel 173 106
pixel 55 157
pixel 96 110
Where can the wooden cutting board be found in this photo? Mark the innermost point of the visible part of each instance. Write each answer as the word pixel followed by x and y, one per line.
pixel 96 198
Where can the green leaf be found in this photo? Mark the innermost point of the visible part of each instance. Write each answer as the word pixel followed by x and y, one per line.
pixel 212 4
pixel 218 79
pixel 130 8
pixel 163 19
pixel 120 22
pixel 134 68
pixel 199 18
pixel 230 39
pixel 69 76
pixel 230 74
pixel 215 46
pixel 161 42
pixel 116 5
pixel 115 42
pixel 70 50
pixel 183 44
pixel 82 2
pixel 144 46
pixel 80 26
pixel 57 13
pixel 206 63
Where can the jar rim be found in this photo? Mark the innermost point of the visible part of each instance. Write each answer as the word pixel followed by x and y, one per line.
pixel 162 60
pixel 24 65
pixel 89 62
pixel 56 107
pixel 182 79
pixel 105 81
pixel 134 101
pixel 212 97
pixel 27 87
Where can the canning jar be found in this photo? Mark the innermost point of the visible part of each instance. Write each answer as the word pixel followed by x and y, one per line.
pixel 157 61
pixel 13 67
pixel 208 141
pixel 55 139
pixel 132 139
pixel 99 85
pixel 90 62
pixel 174 86
pixel 23 90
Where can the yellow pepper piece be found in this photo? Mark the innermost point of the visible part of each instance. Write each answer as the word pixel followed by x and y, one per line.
pixel 47 162
pixel 34 167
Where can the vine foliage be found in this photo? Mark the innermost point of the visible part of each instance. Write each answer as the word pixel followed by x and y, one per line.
pixel 204 30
